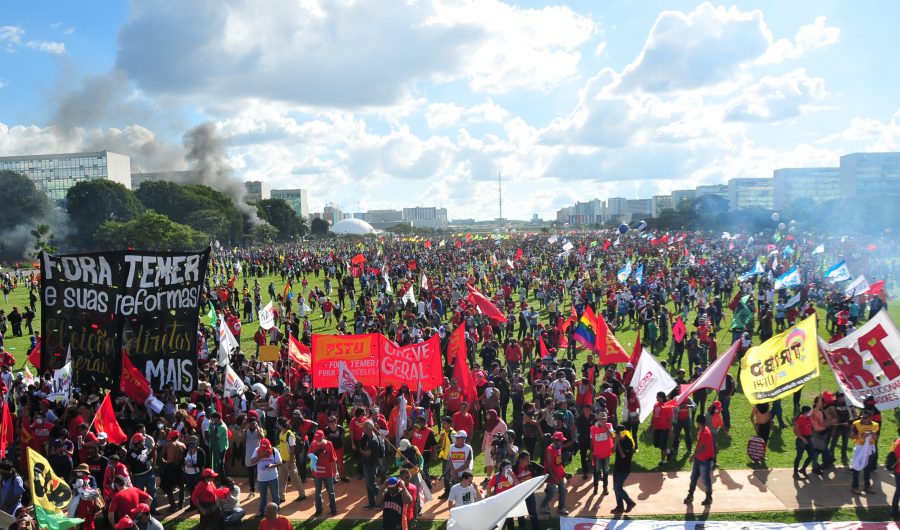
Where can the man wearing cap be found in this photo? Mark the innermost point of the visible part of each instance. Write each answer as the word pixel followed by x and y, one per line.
pixel 556 474
pixel 125 523
pixel 266 460
pixel 394 499
pixel 140 464
pixel 423 438
pixel 323 470
pixel 143 520
pixel 460 456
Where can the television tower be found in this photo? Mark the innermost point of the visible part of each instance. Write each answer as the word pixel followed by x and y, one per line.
pixel 499 195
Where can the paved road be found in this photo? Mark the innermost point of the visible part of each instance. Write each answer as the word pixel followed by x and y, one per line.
pixel 656 493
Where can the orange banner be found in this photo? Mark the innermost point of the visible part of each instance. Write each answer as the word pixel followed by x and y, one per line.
pixel 359 352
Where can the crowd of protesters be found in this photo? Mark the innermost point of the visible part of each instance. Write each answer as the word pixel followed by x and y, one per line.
pixel 534 413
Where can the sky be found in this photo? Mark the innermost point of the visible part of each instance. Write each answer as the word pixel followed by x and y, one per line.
pixel 372 104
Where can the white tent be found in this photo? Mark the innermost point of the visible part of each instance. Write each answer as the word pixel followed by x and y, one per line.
pixel 353 227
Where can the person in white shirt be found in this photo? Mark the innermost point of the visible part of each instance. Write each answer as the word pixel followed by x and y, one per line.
pixel 460 456
pixel 465 492
pixel 560 386
pixel 266 460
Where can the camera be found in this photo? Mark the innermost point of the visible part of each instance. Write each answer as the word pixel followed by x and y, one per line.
pixel 499 440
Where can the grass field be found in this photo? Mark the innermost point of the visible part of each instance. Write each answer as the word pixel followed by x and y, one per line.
pixel 732 445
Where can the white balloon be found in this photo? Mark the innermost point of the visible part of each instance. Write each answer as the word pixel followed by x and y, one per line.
pixel 781 227
pixel 776 216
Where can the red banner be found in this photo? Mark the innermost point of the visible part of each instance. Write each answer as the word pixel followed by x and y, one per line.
pixel 360 352
pixel 133 383
pixel 411 364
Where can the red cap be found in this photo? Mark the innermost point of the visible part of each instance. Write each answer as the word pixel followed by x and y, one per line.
pixel 139 509
pixel 208 472
pixel 320 434
pixel 558 435
pixel 137 438
pixel 264 442
pixel 172 436
pixel 124 523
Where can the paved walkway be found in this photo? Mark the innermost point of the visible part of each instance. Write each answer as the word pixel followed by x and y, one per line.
pixel 656 493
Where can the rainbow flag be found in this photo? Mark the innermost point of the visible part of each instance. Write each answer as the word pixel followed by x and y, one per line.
pixel 586 329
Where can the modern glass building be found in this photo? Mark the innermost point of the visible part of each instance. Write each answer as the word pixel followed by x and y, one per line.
pixel 813 184
pixel 870 175
pixel 55 174
pixel 750 193
pixel 296 199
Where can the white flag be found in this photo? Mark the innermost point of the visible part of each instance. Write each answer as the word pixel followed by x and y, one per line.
pixel 857 286
pixel 27 376
pixel 409 295
pixel 794 300
pixel 402 420
pixel 423 283
pixel 713 377
pixel 552 239
pixel 838 273
pixel 233 384
pixel 819 249
pixel 491 513
pixel 648 379
pixel 346 380
pixel 227 344
pixel 62 383
pixel 267 316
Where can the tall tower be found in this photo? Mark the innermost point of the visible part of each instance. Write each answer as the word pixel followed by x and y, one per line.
pixel 499 196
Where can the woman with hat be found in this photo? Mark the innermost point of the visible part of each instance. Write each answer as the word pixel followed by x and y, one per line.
pixel 205 497
pixel 85 497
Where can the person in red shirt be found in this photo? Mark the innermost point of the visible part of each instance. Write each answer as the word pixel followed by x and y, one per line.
pixel 803 443
pixel 40 433
pixel 601 449
pixel 272 521
pixel 556 474
pixel 205 497
pixel 662 426
pixel 452 398
pixel 702 460
pixel 612 402
pixel 324 470
pixel 463 421
pixel 125 499
pixel 423 438
pixel 513 354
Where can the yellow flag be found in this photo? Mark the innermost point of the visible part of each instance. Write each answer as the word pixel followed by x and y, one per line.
pixel 47 490
pixel 781 365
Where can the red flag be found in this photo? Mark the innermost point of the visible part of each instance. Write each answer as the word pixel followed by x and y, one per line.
pixel 35 356
pixel 607 244
pixel 486 306
pixel 608 348
pixel 231 282
pixel 7 431
pixel 544 351
pixel 105 421
pixel 876 288
pixel 411 264
pixel 133 383
pixel 300 353
pixel 518 255
pixel 358 260
pixel 679 330
pixel 456 349
pixel 636 350
pixel 428 244
pixel 734 301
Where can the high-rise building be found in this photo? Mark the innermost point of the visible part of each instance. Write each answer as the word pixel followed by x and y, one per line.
pixel 639 208
pixel 426 217
pixel 718 190
pixel 617 209
pixel 257 190
pixel 680 195
pixel 296 199
pixel 660 203
pixel 332 213
pixel 750 193
pixel 815 184
pixel 870 175
pixel 54 174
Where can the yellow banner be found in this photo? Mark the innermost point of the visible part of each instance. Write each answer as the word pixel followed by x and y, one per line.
pixel 47 490
pixel 782 365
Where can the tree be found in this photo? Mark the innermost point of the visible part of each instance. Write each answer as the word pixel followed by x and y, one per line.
pixel 319 227
pixel 43 240
pixel 22 201
pixel 149 231
pixel 90 203
pixel 265 233
pixel 280 215
pixel 183 202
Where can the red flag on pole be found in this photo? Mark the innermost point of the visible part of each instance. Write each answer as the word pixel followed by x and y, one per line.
pixel 300 353
pixel 231 282
pixel 486 306
pixel 133 383
pixel 105 421
pixel 456 349
pixel 544 351
pixel 636 350
pixel 34 357
pixel 608 347
pixel 518 256
pixel 7 431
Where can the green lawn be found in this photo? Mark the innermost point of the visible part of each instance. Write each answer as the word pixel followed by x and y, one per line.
pixel 732 446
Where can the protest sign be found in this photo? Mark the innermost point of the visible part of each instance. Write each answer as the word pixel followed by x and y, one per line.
pixel 411 364
pixel 359 352
pixel 781 365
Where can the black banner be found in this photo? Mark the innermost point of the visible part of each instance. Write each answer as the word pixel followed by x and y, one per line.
pixel 96 305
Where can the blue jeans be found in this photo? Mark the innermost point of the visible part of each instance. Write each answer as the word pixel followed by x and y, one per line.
pixel 551 491
pixel 369 471
pixel 265 486
pixel 147 482
pixel 329 485
pixel 808 450
pixel 619 489
pixel 895 503
pixel 234 518
pixel 701 468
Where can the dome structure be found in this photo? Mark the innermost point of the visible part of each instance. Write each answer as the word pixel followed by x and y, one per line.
pixel 352 227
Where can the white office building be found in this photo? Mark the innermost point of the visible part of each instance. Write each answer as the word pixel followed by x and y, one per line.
pixel 54 174
pixel 870 175
pixel 295 198
pixel 750 193
pixel 814 184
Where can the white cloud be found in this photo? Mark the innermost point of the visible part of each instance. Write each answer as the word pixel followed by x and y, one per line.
pixel 773 98
pixel 704 47
pixel 443 115
pixel 345 54
pixel 51 47
pixel 809 38
pixel 11 38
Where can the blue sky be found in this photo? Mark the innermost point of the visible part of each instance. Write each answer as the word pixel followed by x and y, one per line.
pixel 390 104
